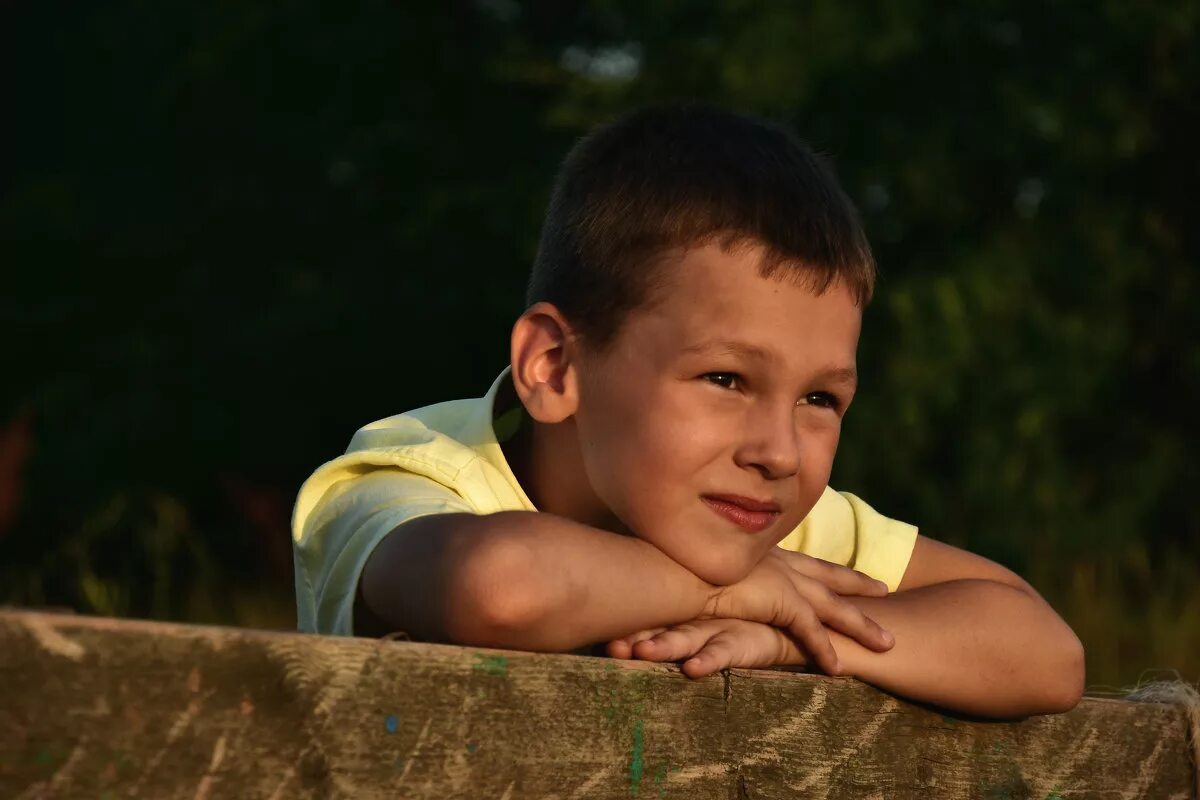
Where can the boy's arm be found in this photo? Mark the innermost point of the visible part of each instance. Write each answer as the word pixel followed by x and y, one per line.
pixel 536 581
pixel 522 580
pixel 970 635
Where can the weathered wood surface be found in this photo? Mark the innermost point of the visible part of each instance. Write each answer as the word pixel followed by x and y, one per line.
pixel 102 708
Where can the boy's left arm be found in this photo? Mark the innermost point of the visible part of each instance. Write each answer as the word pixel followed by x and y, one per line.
pixel 970 635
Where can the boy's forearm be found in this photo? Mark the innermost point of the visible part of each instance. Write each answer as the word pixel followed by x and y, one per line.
pixel 972 645
pixel 530 581
pixel 599 585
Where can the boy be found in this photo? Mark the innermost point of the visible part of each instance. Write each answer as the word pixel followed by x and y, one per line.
pixel 670 416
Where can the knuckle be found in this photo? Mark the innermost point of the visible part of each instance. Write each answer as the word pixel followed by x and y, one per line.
pixel 826 598
pixel 811 625
pixel 667 638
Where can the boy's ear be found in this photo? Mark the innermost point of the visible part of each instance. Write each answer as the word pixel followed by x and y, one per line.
pixel 544 368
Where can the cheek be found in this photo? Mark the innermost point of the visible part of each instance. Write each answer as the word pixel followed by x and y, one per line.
pixel 613 459
pixel 674 442
pixel 645 461
pixel 820 450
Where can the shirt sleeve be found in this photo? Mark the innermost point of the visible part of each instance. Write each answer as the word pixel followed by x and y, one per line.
pixel 843 529
pixel 344 527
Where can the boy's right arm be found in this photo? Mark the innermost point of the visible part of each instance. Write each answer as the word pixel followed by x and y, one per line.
pixel 535 581
pixel 523 580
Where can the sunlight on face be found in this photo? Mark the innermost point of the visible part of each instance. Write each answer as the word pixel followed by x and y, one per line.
pixel 709 428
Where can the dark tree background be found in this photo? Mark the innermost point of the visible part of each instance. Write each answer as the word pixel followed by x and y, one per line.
pixel 224 225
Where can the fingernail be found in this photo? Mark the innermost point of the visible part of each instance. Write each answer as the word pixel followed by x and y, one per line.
pixel 888 639
pixel 883 586
pixel 837 667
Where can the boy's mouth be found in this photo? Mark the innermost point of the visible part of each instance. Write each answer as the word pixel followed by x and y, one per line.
pixel 749 514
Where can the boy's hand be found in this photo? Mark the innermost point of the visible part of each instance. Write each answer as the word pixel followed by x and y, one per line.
pixel 710 645
pixel 801 595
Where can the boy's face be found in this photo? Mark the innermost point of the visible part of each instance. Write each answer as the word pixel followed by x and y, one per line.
pixel 709 427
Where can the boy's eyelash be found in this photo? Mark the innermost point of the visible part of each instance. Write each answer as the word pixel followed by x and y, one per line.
pixel 827 400
pixel 732 377
pixel 727 380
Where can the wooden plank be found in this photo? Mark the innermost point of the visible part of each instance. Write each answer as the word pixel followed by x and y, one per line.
pixel 103 708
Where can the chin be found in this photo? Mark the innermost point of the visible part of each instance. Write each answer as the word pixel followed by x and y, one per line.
pixel 722 571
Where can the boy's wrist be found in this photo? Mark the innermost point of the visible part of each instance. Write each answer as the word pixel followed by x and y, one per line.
pixel 694 594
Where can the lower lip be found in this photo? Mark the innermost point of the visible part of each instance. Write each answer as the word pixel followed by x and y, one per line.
pixel 752 521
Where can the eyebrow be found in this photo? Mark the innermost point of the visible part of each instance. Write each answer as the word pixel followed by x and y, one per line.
pixel 843 375
pixel 729 346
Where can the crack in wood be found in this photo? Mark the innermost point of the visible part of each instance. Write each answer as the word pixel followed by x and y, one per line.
pixel 743 792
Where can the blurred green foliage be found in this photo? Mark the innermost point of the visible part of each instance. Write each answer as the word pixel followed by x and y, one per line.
pixel 219 220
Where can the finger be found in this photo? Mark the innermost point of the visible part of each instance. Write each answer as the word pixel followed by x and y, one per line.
pixel 843 616
pixel 813 636
pixel 623 647
pixel 619 648
pixel 844 580
pixel 840 579
pixel 718 654
pixel 642 636
pixel 679 642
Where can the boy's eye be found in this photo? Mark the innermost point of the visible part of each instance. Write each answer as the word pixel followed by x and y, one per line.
pixel 822 400
pixel 726 380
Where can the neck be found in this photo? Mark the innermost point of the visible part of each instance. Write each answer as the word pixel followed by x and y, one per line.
pixel 546 461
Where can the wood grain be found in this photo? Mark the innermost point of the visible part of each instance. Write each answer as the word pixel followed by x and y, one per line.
pixel 102 708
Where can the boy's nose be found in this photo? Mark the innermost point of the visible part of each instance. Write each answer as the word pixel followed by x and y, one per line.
pixel 771 446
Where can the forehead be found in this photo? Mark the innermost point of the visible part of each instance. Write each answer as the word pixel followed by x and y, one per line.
pixel 713 300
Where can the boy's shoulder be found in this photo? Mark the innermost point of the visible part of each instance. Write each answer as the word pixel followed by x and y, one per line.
pixel 467 422
pixel 450 418
pixel 452 443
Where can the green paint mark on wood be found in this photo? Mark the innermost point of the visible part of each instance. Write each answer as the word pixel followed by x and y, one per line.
pixel 625 698
pixel 1009 788
pixel 636 766
pixel 44 758
pixel 660 778
pixel 611 704
pixel 1056 794
pixel 492 665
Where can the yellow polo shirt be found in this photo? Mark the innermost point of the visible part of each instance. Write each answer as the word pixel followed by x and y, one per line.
pixel 446 458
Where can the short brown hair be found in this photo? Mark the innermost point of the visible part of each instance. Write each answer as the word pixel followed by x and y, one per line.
pixel 675 176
